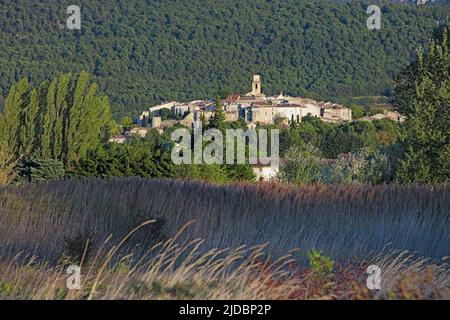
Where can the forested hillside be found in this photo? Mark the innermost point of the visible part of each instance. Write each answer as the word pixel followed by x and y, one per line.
pixel 141 52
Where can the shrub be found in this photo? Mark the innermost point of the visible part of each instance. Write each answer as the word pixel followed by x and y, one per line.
pixel 320 264
pixel 34 169
pixel 301 165
pixel 361 167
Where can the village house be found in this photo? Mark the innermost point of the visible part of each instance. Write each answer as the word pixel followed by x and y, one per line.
pixel 331 112
pixel 387 114
pixel 139 131
pixel 119 138
pixel 158 124
pixel 269 114
pixel 255 107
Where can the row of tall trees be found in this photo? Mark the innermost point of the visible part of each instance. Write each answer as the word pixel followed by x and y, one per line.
pixel 60 120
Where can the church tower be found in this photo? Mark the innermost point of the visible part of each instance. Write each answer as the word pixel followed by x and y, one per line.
pixel 256 85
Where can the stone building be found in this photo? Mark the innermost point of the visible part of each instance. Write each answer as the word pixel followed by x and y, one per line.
pixel 254 107
pixel 269 114
pixel 335 113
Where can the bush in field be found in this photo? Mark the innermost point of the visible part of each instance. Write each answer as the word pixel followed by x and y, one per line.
pixel 301 165
pixel 322 272
pixel 321 265
pixel 361 167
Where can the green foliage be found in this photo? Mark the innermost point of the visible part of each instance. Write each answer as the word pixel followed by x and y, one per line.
pixel 302 165
pixel 320 264
pixel 126 122
pixel 335 139
pixel 357 112
pixel 217 121
pixel 138 158
pixel 60 121
pixel 142 53
pixel 423 96
pixel 361 167
pixel 209 172
pixel 165 114
pixel 34 169
pixel 240 172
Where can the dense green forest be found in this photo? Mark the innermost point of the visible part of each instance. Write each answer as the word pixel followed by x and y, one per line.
pixel 143 52
pixel 61 127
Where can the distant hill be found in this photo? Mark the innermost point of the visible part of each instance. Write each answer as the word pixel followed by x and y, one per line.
pixel 143 52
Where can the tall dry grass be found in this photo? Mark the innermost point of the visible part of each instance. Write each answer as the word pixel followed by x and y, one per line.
pixel 392 226
pixel 344 222
pixel 178 270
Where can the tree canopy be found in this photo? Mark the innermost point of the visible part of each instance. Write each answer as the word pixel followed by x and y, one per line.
pixel 423 96
pixel 62 120
pixel 143 52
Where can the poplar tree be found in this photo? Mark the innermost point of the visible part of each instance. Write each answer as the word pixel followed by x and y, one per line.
pixel 49 123
pixel 75 133
pixel 10 126
pixel 10 122
pixel 61 120
pixel 29 117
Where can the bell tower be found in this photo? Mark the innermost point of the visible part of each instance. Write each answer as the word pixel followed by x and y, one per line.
pixel 256 85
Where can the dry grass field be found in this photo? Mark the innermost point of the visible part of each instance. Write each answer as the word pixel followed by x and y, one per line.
pixel 162 239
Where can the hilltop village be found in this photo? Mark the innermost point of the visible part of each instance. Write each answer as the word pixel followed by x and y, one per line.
pixel 254 107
